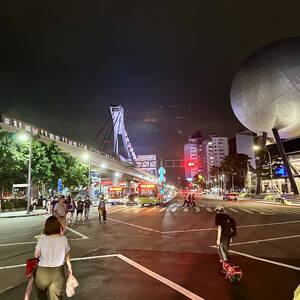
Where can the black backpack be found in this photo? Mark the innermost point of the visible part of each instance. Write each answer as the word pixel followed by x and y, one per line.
pixel 229 228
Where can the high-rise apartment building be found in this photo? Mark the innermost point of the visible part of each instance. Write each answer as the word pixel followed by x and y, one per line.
pixel 214 150
pixel 192 152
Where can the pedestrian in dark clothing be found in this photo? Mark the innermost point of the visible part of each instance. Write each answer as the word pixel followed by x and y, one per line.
pixel 87 205
pixel 193 200
pixel 186 200
pixel 226 230
pixel 79 208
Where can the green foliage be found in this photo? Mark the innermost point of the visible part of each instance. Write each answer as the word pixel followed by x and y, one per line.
pixel 269 197
pixel 244 195
pixel 49 163
pixel 199 180
pixel 13 204
pixel 235 169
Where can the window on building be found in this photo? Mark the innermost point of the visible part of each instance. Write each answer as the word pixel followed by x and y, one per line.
pixel 7 121
pixel 51 136
pixel 27 128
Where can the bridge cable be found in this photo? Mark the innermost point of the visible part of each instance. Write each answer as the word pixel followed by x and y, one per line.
pixel 119 115
pixel 100 131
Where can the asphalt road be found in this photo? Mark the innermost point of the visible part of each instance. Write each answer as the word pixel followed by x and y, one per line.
pixel 166 253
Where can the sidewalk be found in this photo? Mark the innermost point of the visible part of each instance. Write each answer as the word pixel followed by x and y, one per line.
pixel 295 200
pixel 22 213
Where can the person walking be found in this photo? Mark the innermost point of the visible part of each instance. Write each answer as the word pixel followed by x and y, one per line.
pixel 193 198
pixel 71 208
pixel 79 208
pixel 87 205
pixel 226 230
pixel 52 205
pixel 53 251
pixel 60 210
pixel 102 211
pixel 185 200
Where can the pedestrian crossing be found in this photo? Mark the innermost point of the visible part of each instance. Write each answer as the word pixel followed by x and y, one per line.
pixel 177 208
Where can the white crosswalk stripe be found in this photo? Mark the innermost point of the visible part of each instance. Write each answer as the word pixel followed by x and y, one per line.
pixel 185 209
pixel 232 209
pixel 174 209
pixel 162 209
pixel 246 210
pixel 197 209
pixel 209 209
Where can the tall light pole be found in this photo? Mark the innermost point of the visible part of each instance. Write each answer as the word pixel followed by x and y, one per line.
pixel 257 148
pixel 86 157
pixel 24 138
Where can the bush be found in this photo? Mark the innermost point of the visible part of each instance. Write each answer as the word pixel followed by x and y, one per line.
pixel 269 197
pixel 243 195
pixel 11 204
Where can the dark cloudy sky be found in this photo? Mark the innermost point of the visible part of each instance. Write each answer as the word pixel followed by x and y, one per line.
pixel 63 62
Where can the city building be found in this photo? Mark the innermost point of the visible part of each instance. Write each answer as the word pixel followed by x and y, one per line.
pixel 192 152
pixel 214 149
pixel 201 155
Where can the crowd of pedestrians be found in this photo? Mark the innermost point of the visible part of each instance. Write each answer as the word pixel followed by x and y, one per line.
pixel 64 207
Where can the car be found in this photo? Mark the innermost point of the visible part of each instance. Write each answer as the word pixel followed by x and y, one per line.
pixel 131 199
pixel 230 197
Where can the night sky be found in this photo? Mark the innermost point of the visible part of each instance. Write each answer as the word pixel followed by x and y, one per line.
pixel 169 63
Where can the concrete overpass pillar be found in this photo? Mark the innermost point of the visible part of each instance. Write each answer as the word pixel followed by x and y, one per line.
pixel 115 180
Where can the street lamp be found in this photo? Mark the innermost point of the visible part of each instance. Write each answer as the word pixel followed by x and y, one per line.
pixel 23 137
pixel 257 148
pixel 86 157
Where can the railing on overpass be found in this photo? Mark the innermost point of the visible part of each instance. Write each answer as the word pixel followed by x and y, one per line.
pixel 35 130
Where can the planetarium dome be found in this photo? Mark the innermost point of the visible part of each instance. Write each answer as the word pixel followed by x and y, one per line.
pixel 265 92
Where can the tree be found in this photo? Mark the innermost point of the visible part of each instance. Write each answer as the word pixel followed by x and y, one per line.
pixel 199 180
pixel 49 163
pixel 12 161
pixel 236 166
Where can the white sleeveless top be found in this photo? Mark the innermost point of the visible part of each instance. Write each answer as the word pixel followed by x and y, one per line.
pixel 53 250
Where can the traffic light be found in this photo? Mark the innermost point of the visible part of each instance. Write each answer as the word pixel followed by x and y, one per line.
pixel 191 164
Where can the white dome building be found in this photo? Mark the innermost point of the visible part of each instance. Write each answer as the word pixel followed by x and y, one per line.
pixel 265 92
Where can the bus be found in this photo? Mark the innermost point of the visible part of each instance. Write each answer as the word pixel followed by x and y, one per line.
pixel 147 194
pixel 116 195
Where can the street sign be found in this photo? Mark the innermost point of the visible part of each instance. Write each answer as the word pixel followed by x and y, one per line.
pixel 59 185
pixel 162 171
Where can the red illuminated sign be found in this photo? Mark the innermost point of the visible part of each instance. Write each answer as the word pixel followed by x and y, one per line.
pixel 115 189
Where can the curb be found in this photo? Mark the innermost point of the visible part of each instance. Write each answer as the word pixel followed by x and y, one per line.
pixel 22 216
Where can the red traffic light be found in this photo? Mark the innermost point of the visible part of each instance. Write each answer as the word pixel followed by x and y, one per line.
pixel 191 164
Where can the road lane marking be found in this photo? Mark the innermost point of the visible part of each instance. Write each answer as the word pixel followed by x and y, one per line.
pixel 78 233
pixel 241 226
pixel 75 231
pixel 28 243
pixel 162 279
pixel 133 225
pixel 136 265
pixel 209 209
pixel 266 240
pixel 72 259
pixel 174 209
pixel 232 209
pixel 185 209
pixel 162 209
pixel 197 209
pixel 266 260
pixel 246 210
